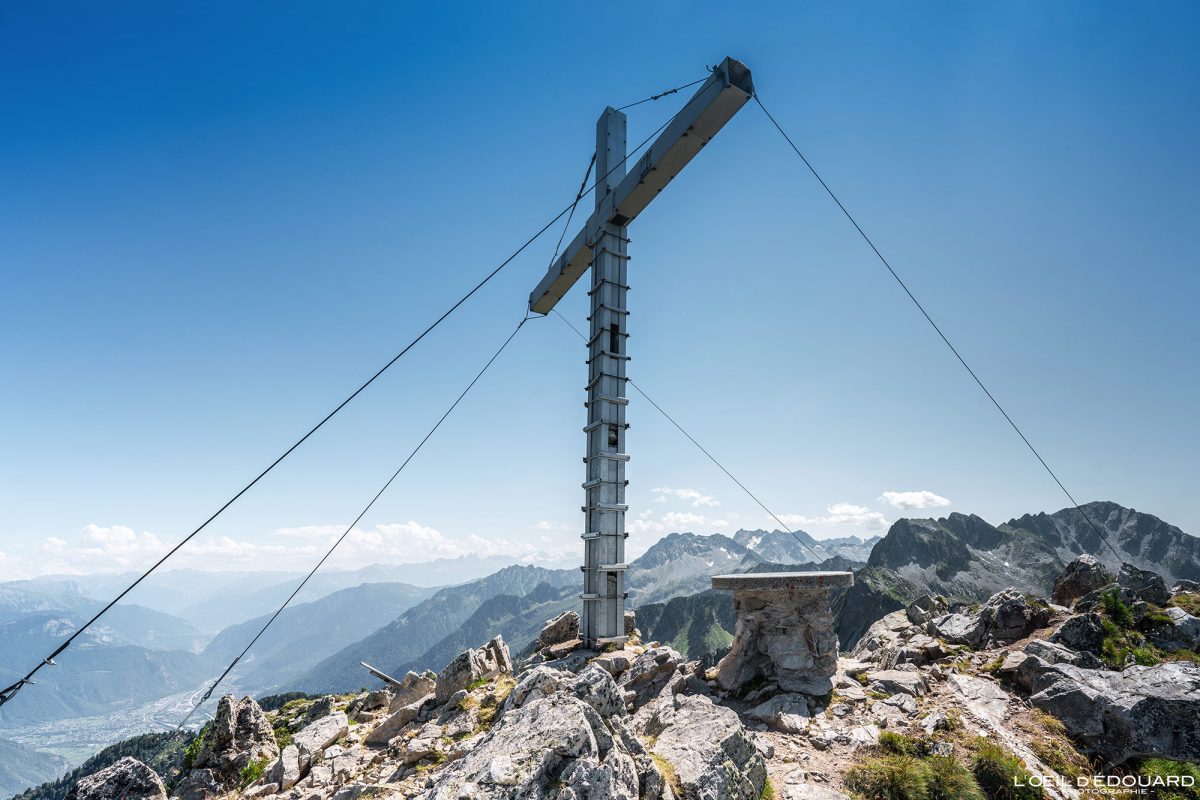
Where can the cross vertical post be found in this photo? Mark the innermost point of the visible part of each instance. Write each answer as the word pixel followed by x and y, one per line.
pixel 603 619
pixel 623 191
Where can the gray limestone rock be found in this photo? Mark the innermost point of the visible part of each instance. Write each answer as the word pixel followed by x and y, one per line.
pixel 562 628
pixel 551 742
pixel 721 764
pixel 1182 633
pixel 649 674
pixel 1083 575
pixel 413 687
pixel 959 628
pixel 398 719
pixel 897 681
pixel 1139 712
pixel 286 770
pixel 471 666
pixel 127 779
pixel 1144 584
pixel 783 712
pixel 316 736
pixel 238 734
pixel 925 608
pixel 1010 615
pixel 1082 633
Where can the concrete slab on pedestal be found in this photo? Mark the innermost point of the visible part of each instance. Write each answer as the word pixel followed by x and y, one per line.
pixel 783 581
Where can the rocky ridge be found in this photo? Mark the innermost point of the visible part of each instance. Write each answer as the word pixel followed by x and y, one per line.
pixel 945 690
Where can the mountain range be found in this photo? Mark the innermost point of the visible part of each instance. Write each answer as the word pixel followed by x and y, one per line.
pixel 963 557
pixel 304 634
pixel 138 654
pixel 21 767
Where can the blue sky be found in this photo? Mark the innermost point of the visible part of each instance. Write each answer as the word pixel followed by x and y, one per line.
pixel 216 219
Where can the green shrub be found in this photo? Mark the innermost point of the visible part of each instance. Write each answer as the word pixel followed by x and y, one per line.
pixel 1118 644
pixel 1116 608
pixel 898 744
pixel 283 736
pixel 890 778
pixel 1001 775
pixel 193 749
pixel 950 780
pixel 253 771
pixel 1163 767
pixel 768 791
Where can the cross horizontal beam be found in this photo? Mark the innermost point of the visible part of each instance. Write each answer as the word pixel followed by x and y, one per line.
pixel 714 104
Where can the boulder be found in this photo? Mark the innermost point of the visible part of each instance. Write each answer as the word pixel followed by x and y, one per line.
pixel 562 628
pixel 472 666
pixel 925 608
pixel 707 747
pixel 1184 585
pixel 1083 575
pixel 286 770
pixel 313 738
pixel 649 673
pixel 897 681
pixel 200 784
pixel 1140 712
pixel 1144 584
pixel 959 628
pixel 413 687
pixel 398 719
pixel 238 734
pixel 553 741
pixel 1055 653
pixel 1182 632
pixel 784 712
pixel 1010 615
pixel 1006 617
pixel 616 662
pixel 1083 633
pixel 127 779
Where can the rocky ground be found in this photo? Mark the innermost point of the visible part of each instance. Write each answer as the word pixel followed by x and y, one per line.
pixel 935 701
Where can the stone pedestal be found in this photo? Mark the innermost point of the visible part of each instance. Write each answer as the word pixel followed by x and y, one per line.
pixel 784 630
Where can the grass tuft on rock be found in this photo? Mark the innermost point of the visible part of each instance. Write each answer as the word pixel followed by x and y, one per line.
pixel 1001 774
pixel 890 778
pixel 1165 768
pixel 667 770
pixel 950 780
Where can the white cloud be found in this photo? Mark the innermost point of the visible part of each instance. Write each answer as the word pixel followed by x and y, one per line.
pixel 117 548
pixel 696 497
pixel 906 501
pixel 841 514
pixel 311 531
pixel 676 521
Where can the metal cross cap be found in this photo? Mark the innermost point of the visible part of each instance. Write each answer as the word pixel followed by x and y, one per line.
pixel 603 244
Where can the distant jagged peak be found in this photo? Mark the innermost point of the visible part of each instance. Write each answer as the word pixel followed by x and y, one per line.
pixel 677 545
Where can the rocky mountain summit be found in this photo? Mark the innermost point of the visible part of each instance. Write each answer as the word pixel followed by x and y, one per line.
pixel 965 558
pixel 1013 697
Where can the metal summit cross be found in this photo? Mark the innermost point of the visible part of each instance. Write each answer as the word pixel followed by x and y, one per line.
pixel 603 245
